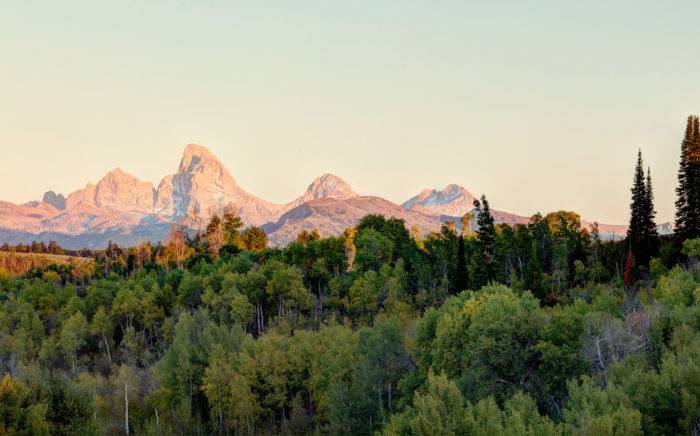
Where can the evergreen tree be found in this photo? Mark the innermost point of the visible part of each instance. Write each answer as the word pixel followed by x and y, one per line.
pixel 642 235
pixel 688 190
pixel 484 265
pixel 461 278
pixel 694 176
pixel 635 231
pixel 534 274
pixel 651 233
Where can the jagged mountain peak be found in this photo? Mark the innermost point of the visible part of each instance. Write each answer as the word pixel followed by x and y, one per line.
pixel 202 186
pixel 325 186
pixel 330 186
pixel 193 149
pixel 453 187
pixel 117 170
pixel 452 200
pixel 56 200
pixel 197 158
pixel 117 174
pixel 123 208
pixel 116 190
pixel 121 191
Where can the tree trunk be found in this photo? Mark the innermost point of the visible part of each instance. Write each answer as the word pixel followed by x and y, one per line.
pixel 109 355
pixel 221 415
pixel 381 405
pixel 126 407
pixel 389 398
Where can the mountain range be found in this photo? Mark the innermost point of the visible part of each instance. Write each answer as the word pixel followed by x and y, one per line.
pixel 124 209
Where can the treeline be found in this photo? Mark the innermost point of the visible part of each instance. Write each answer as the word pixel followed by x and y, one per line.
pixel 39 264
pixel 37 247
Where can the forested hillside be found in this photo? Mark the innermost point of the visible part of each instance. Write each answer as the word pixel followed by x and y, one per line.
pixel 372 331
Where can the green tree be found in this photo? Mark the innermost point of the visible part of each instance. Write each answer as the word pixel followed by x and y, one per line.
pixel 102 327
pixel 592 410
pixel 440 410
pixel 254 238
pixel 518 417
pixel 241 309
pixel 484 264
pixel 370 399
pixel 363 298
pixel 651 232
pixel 72 337
pixel 232 225
pixel 215 384
pixel 181 370
pixel 215 235
pixel 461 275
pixel 373 250
pixel 688 190
pixel 285 286
pixel 642 236
pixel 669 398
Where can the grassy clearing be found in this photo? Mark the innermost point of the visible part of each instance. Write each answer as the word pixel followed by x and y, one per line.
pixel 17 264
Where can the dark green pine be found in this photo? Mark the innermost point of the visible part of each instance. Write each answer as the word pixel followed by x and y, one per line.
pixel 687 223
pixel 636 229
pixel 485 267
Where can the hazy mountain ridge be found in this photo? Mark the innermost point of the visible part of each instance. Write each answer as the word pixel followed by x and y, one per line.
pixel 122 208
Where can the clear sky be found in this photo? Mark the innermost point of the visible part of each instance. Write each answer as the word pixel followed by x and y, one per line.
pixel 541 105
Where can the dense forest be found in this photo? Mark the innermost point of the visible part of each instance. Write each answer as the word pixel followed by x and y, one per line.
pixel 534 329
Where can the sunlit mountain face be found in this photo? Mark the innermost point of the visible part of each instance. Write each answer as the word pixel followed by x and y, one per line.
pixel 124 209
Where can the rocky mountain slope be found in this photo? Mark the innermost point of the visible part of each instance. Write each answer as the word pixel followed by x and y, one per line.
pixel 326 186
pixel 124 209
pixel 454 200
pixel 117 191
pixel 203 186
pixel 331 216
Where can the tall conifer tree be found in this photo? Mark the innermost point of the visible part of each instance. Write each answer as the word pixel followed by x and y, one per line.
pixel 642 235
pixel 635 231
pixel 688 190
pixel 694 185
pixel 484 263
pixel 651 232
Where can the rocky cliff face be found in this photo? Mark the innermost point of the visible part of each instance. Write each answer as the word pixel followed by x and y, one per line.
pixel 163 203
pixel 118 191
pixel 202 186
pixel 123 192
pixel 56 200
pixel 453 200
pixel 82 197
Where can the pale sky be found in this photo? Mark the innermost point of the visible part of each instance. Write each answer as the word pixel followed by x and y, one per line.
pixel 542 106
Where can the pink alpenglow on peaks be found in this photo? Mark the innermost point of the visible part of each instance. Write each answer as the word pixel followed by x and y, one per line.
pixel 124 209
pixel 453 200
